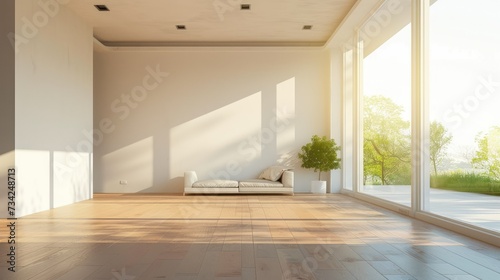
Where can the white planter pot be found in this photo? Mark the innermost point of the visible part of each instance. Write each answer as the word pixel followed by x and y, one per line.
pixel 318 186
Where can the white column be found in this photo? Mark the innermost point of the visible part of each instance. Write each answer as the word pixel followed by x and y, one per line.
pixel 420 99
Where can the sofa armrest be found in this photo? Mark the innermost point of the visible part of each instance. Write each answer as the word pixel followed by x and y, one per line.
pixel 287 179
pixel 189 178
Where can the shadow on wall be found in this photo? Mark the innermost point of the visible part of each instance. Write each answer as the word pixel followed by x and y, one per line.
pixel 239 140
pixel 235 141
pixel 176 185
pixel 129 169
pixel 72 177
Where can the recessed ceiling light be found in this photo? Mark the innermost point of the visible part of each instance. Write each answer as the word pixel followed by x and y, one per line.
pixel 307 27
pixel 180 27
pixel 245 7
pixel 102 8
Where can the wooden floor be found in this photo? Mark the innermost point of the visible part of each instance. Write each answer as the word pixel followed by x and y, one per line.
pixel 239 237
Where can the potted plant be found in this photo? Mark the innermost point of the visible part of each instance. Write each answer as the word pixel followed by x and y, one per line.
pixel 321 156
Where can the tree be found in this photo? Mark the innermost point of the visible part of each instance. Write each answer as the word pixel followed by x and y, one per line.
pixel 386 145
pixel 440 139
pixel 320 154
pixel 487 155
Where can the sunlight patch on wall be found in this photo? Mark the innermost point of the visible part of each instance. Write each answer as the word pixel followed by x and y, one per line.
pixel 285 116
pixel 33 181
pixel 218 143
pixel 133 164
pixel 7 160
pixel 71 174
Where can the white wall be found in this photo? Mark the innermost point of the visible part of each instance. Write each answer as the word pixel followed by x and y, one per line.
pixel 54 99
pixel 220 112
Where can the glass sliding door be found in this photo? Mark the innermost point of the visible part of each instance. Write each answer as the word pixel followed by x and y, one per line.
pixel 465 111
pixel 386 103
pixel 451 153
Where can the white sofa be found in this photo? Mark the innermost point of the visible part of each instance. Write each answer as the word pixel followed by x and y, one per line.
pixel 281 185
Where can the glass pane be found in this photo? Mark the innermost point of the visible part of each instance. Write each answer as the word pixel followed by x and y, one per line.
pixel 347 149
pixel 387 104
pixel 464 111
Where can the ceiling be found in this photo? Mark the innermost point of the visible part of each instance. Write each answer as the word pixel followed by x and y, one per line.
pixel 213 22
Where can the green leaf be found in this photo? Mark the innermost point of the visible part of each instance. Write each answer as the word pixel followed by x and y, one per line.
pixel 320 154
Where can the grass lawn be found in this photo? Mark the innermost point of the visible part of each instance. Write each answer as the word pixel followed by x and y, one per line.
pixel 466 182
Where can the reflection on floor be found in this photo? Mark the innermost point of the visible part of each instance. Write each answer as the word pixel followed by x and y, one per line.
pixel 473 208
pixel 239 237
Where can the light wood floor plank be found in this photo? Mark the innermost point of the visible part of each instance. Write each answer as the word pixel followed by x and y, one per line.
pixel 193 260
pixel 415 267
pixel 229 264
pixel 248 256
pixel 78 273
pixel 363 270
pixel 333 274
pixel 239 237
pixel 162 269
pixel 387 268
pixel 268 268
pixel 294 265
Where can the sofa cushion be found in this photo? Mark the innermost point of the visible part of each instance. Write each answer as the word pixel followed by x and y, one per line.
pixel 258 183
pixel 272 173
pixel 215 184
